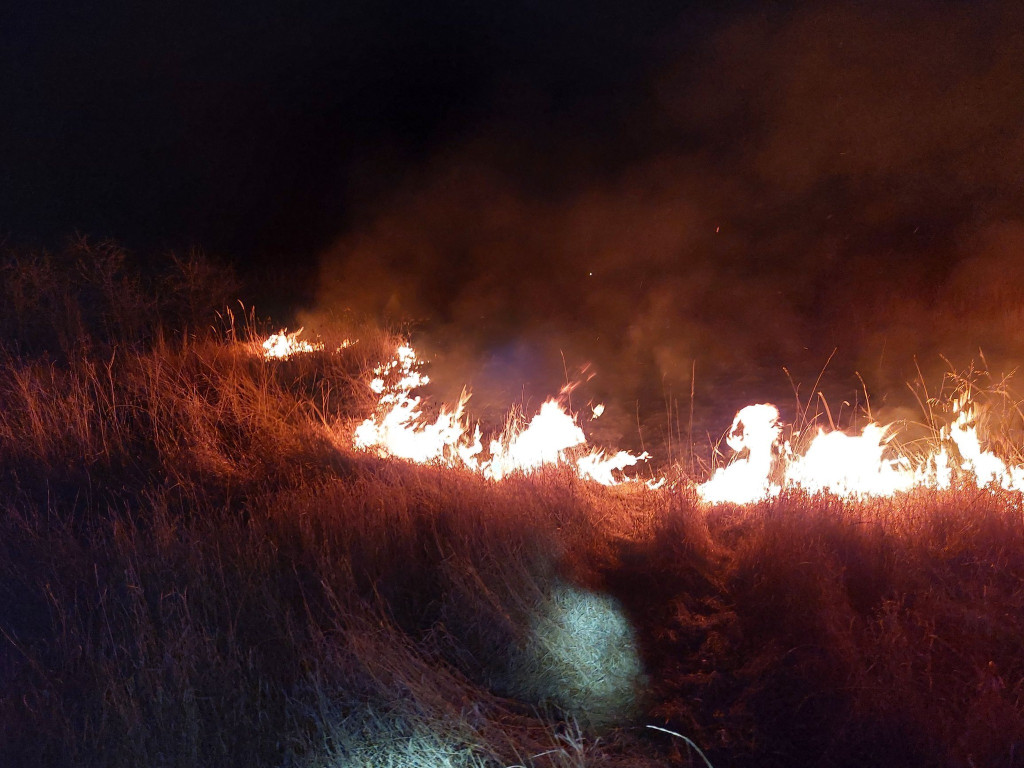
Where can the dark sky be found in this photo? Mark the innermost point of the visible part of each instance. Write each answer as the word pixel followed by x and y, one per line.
pixel 655 188
pixel 255 128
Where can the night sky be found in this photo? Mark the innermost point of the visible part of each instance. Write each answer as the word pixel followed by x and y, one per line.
pixel 655 188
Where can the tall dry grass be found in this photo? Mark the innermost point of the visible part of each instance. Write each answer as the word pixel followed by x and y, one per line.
pixel 195 569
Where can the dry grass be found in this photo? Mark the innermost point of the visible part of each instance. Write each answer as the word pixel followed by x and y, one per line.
pixel 195 570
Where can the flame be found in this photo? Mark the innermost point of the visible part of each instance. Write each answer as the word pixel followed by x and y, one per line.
pixel 282 345
pixel 986 467
pixel 756 430
pixel 851 466
pixel 544 441
pixel 864 464
pixel 399 429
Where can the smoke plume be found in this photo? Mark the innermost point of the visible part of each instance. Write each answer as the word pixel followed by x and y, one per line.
pixel 836 183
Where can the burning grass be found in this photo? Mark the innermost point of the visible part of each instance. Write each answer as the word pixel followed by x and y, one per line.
pixel 196 568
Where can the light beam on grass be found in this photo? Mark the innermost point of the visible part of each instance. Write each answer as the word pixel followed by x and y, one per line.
pixel 580 656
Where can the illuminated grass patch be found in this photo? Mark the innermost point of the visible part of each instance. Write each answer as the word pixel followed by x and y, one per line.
pixel 581 656
pixel 372 738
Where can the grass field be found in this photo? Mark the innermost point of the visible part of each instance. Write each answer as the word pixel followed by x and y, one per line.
pixel 197 570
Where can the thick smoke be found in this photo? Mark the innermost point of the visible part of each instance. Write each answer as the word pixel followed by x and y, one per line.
pixel 841 181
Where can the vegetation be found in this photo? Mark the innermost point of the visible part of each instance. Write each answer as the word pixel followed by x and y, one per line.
pixel 195 569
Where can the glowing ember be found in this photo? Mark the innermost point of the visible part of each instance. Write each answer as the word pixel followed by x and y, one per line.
pixel 399 429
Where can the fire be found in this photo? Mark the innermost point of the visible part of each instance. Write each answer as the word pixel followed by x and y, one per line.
pixel 986 467
pixel 756 430
pixel 399 429
pixel 282 345
pixel 864 464
pixel 852 466
pixel 544 441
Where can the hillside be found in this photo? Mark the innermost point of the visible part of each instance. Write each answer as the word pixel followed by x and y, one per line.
pixel 197 568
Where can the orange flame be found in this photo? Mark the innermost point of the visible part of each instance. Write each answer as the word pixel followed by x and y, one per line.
pixel 399 430
pixel 282 345
pixel 851 466
pixel 834 462
pixel 755 430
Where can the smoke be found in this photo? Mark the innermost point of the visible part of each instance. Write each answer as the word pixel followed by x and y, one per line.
pixel 834 182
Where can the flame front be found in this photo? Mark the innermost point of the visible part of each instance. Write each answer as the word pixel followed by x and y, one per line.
pixel 551 437
pixel 283 345
pixel 851 466
pixel 865 464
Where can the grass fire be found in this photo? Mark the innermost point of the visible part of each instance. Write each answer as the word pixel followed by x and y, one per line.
pixel 512 385
pixel 225 546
